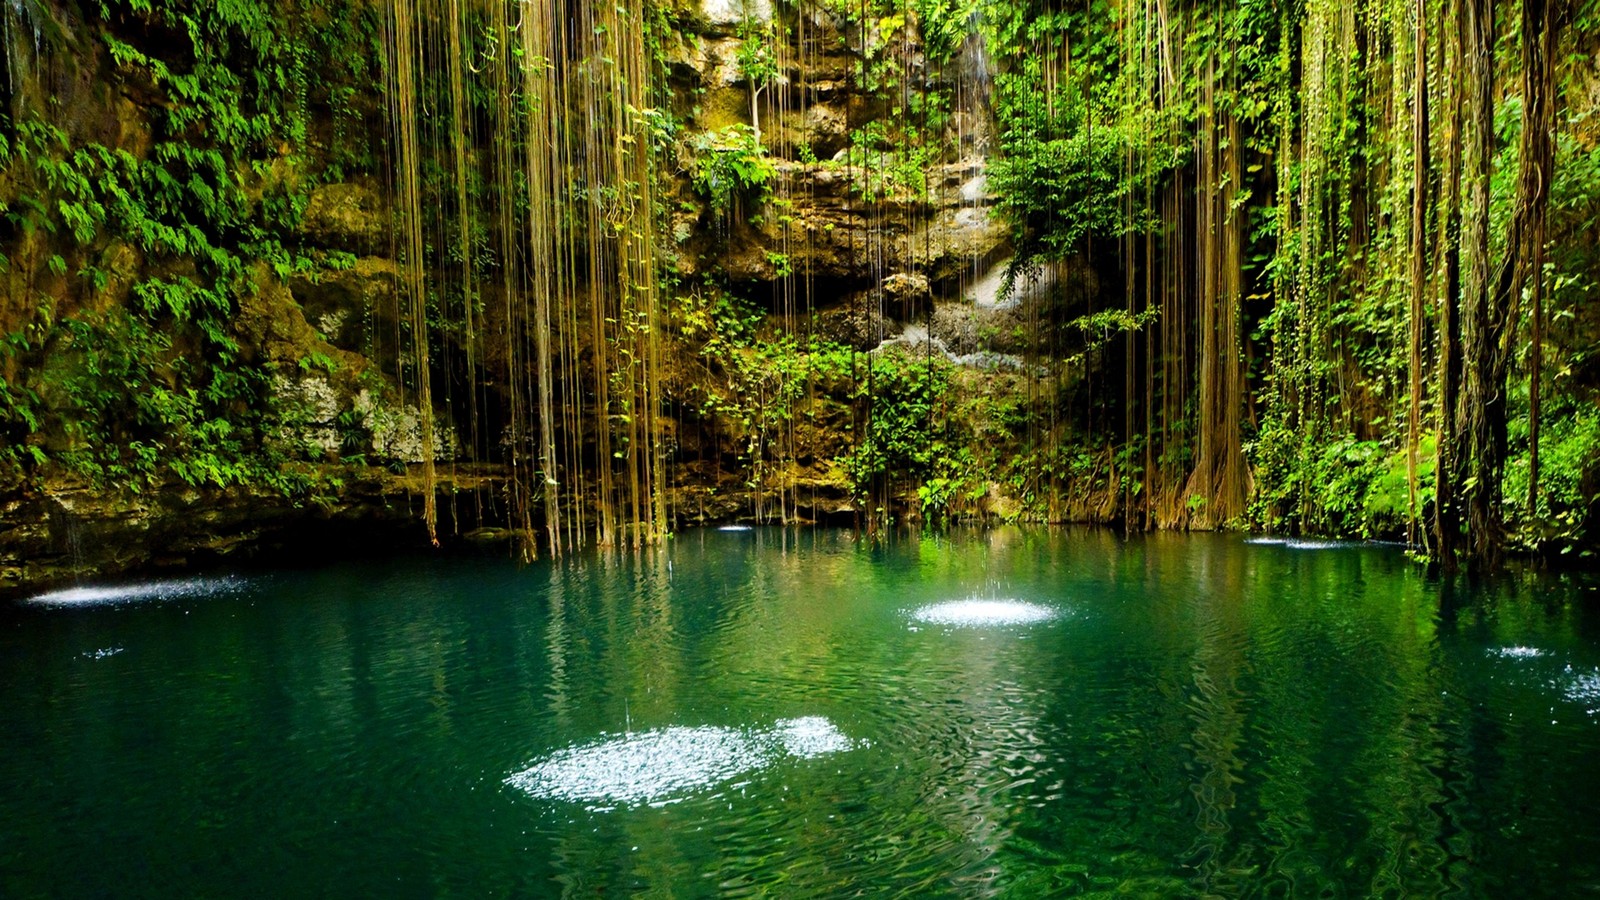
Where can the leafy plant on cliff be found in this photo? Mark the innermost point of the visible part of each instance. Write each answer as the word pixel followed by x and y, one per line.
pixel 731 165
pixel 1059 192
pixel 143 373
pixel 900 395
pixel 758 64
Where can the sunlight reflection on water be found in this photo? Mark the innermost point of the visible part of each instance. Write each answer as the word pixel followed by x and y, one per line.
pixel 1584 688
pixel 667 765
pixel 115 594
pixel 978 613
pixel 1516 652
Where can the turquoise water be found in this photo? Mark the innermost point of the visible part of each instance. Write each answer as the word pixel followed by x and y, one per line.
pixel 796 713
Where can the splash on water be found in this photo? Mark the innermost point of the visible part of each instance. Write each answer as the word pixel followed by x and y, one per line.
pixel 979 612
pixel 118 594
pixel 649 767
pixel 102 653
pixel 1293 543
pixel 1518 652
pixel 668 765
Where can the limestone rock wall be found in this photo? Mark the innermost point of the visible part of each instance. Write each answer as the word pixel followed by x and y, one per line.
pixel 832 124
pixel 78 127
pixel 866 255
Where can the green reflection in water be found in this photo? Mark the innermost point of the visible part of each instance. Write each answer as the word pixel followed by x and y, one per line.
pixel 1200 717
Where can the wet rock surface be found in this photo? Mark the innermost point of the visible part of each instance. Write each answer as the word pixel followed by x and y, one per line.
pixel 72 531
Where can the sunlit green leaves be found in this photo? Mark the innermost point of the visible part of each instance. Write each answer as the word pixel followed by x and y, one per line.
pixel 731 163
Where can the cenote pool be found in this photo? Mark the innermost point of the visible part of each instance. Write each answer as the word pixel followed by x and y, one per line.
pixel 799 713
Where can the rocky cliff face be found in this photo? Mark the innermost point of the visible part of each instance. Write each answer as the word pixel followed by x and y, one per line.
pixel 834 113
pixel 158 279
pixel 867 229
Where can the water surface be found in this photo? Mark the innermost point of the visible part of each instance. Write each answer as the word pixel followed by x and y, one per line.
pixel 797 713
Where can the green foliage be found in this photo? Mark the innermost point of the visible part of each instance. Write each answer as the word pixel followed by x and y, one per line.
pixel 753 385
pixel 1350 488
pixel 1573 270
pixel 901 394
pixel 140 410
pixel 1081 143
pixel 1350 478
pixel 882 165
pixel 954 486
pixel 1563 519
pixel 890 155
pixel 758 65
pixel 1089 138
pixel 1569 485
pixel 945 25
pixel 1058 193
pixel 158 385
pixel 20 418
pixel 731 164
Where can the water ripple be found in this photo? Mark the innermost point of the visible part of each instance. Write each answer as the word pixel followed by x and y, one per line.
pixel 1171 715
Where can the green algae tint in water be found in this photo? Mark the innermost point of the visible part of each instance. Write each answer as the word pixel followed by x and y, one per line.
pixel 799 714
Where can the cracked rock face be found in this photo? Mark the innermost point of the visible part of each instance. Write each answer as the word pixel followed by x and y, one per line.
pixel 828 218
pixel 728 15
pixel 347 215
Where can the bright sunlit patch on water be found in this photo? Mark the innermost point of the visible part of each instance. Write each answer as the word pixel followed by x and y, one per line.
pixel 1516 652
pixel 811 736
pixel 1294 543
pixel 1582 687
pixel 116 594
pixel 735 528
pixel 666 765
pixel 979 612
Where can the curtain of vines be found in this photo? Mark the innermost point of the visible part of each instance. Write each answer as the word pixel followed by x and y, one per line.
pixel 524 182
pixel 1309 198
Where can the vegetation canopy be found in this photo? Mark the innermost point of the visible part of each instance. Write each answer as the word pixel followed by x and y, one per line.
pixel 1316 267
